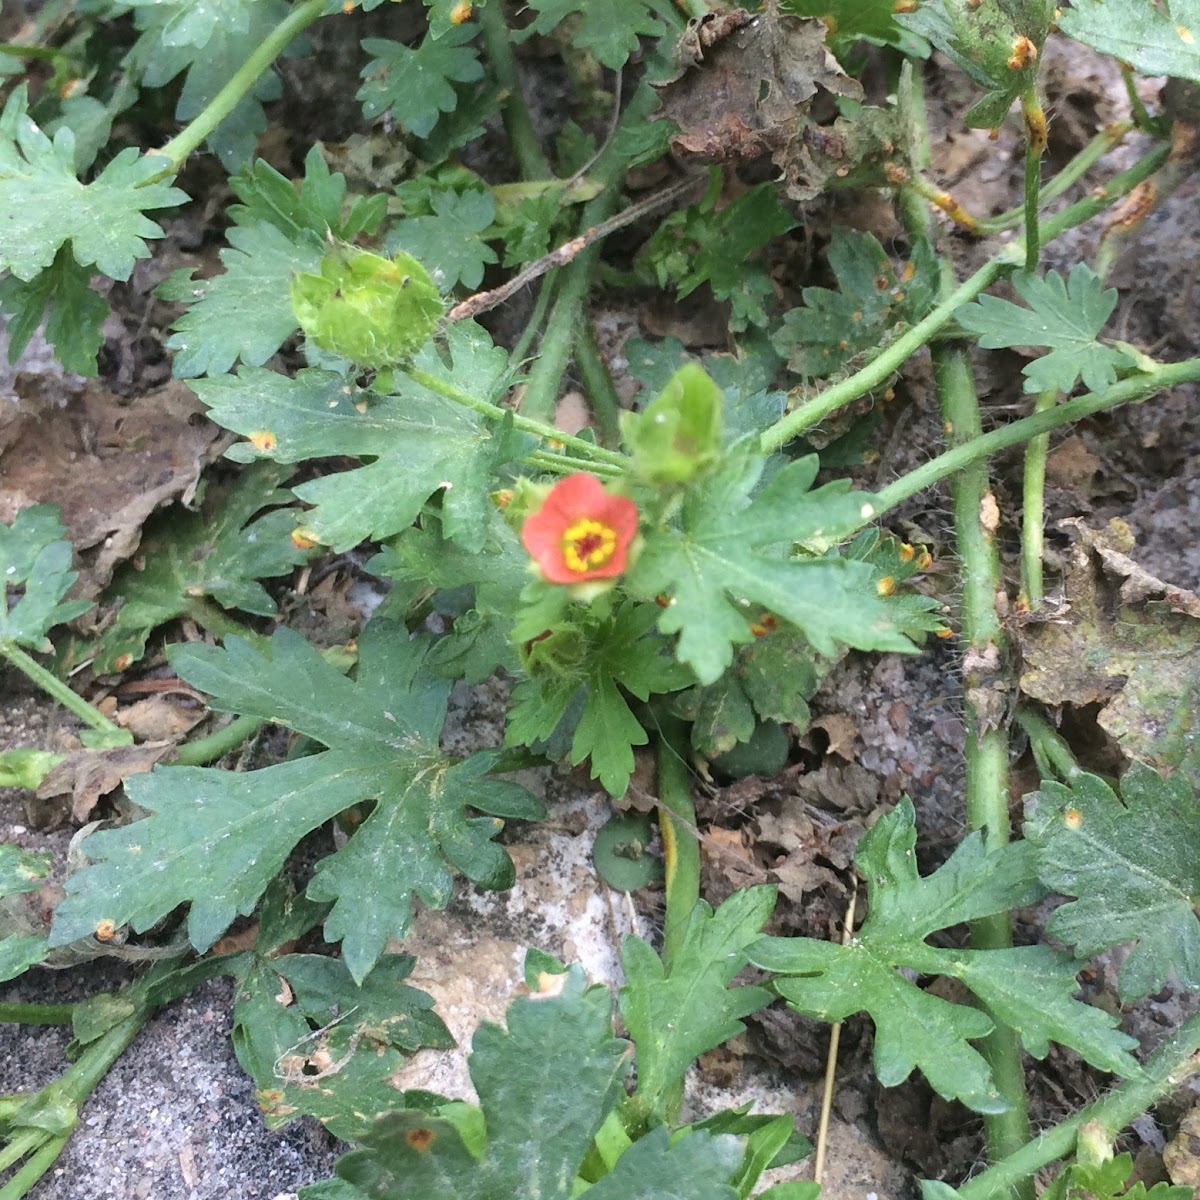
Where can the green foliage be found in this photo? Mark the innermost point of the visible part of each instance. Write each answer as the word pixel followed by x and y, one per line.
pixel 1151 38
pixel 620 852
pixel 731 555
pixel 218 551
pixel 545 1086
pixel 374 311
pixel 57 227
pixel 1066 315
pixel 281 229
pixel 703 244
pixel 609 29
pixel 317 1043
pixel 63 296
pixel 418 441
pixel 1028 988
pixel 35 566
pixel 850 19
pixel 773 677
pixel 26 768
pixel 578 671
pixel 208 43
pixel 448 239
pixel 414 83
pixel 678 434
pixel 997 43
pixel 20 871
pixel 216 838
pixel 1132 865
pixel 836 331
pixel 712 951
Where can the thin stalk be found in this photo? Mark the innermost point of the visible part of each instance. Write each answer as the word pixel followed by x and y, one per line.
pixel 1050 751
pixel 1171 1064
pixel 192 135
pixel 17 50
pixel 526 424
pixel 681 850
pixel 522 137
pixel 541 391
pixel 1033 516
pixel 15 1013
pixel 559 464
pixel 1142 118
pixel 1063 180
pixel 38 1163
pixel 57 690
pixel 597 382
pixel 558 342
pixel 986 751
pixel 216 745
pixel 533 327
pixel 1129 391
pixel 879 369
pixel 1035 147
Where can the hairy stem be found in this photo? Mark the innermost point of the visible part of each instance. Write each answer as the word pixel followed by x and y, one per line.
pixel 541 391
pixel 526 424
pixel 986 750
pixel 597 382
pixel 1129 391
pixel 57 690
pixel 522 137
pixel 1035 147
pixel 201 751
pixel 677 823
pixel 1174 1061
pixel 192 135
pixel 1033 517
pixel 880 369
pixel 16 1013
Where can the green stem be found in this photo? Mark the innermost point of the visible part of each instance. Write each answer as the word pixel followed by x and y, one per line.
pixel 38 1163
pixel 15 1013
pixel 17 50
pixel 1079 166
pixel 1050 751
pixel 1033 523
pixel 497 44
pixel 879 369
pixel 597 382
pixel 681 850
pixel 1128 391
pixel 986 751
pixel 541 391
pixel 192 135
pixel 1035 145
pixel 560 464
pixel 1171 1064
pixel 1141 117
pixel 55 688
pixel 536 318
pixel 526 424
pixel 216 745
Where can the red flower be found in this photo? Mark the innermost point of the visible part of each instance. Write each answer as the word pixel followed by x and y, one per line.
pixel 580 532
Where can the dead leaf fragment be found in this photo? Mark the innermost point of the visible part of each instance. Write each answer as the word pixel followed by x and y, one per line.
pixel 86 775
pixel 109 463
pixel 1182 1156
pixel 1126 640
pixel 747 88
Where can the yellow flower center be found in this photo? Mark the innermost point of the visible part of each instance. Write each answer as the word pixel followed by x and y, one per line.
pixel 587 544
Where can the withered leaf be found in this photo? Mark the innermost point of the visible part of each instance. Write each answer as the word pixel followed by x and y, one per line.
pixel 1126 640
pixel 752 85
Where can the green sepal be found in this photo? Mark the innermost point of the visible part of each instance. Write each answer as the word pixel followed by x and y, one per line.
pixel 678 434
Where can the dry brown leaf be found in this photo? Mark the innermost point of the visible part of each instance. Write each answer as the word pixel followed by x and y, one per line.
pixel 164 717
pixel 108 462
pixel 86 775
pixel 1182 1156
